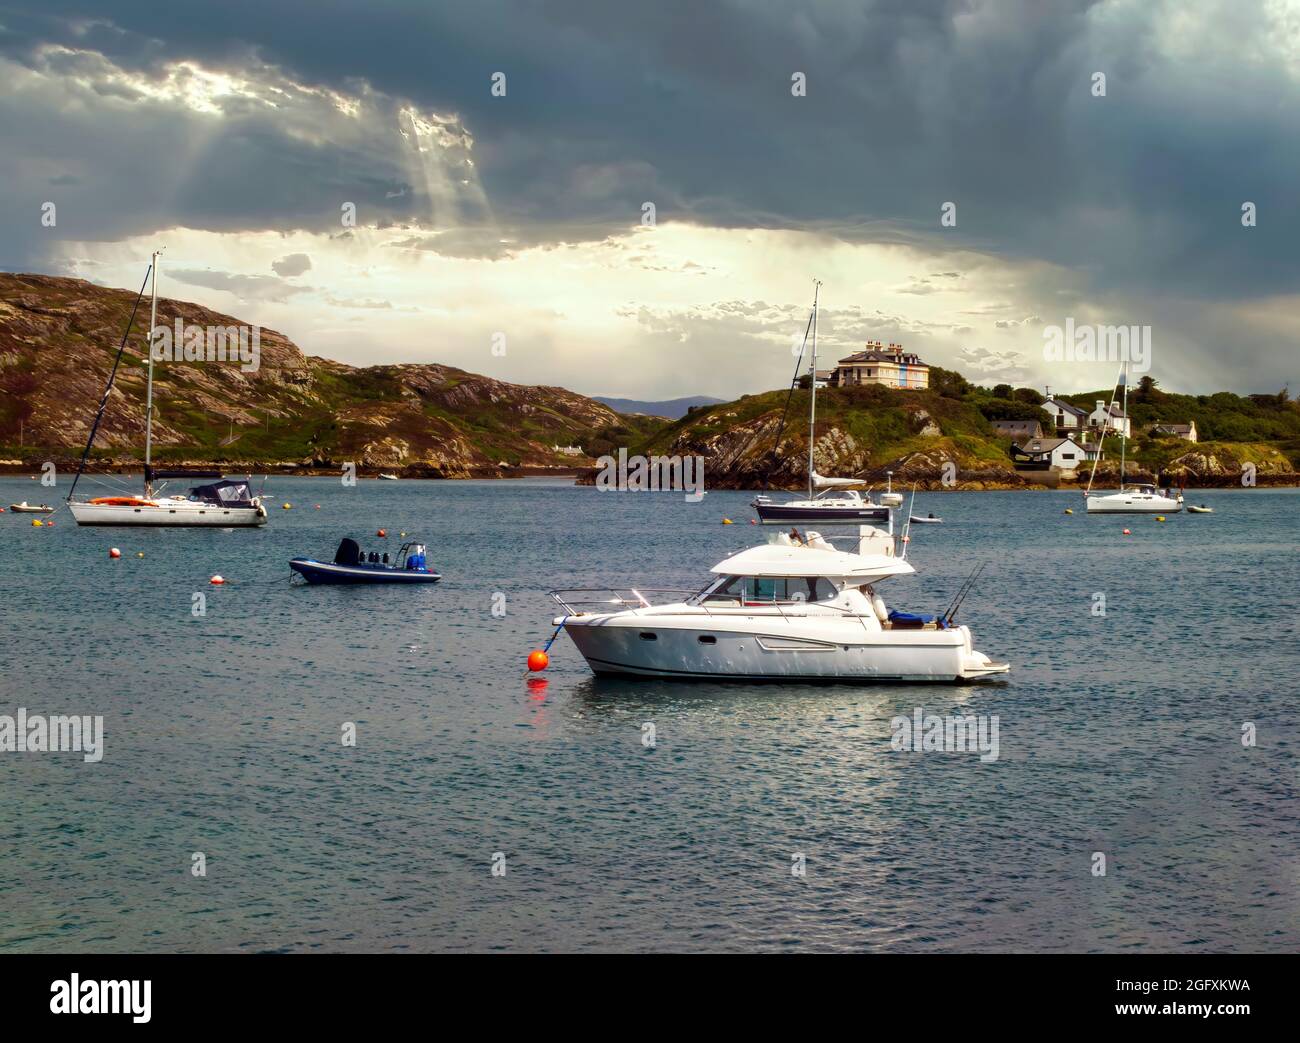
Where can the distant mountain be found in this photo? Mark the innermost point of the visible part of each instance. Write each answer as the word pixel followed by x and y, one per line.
pixel 58 338
pixel 673 408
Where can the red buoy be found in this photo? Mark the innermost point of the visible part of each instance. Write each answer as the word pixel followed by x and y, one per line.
pixel 382 532
pixel 1127 533
pixel 216 581
pixel 538 660
pixel 113 552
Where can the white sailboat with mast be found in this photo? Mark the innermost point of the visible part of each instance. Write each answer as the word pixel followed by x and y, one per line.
pixel 1132 498
pixel 838 500
pixel 222 504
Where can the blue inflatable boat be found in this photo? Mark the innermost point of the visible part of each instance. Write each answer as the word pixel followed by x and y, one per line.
pixel 351 565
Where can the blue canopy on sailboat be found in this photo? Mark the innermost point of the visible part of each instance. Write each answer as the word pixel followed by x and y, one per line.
pixel 228 493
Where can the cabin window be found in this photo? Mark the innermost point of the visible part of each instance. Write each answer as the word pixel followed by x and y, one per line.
pixel 727 589
pixel 708 639
pixel 788 589
pixel 646 635
pixel 770 589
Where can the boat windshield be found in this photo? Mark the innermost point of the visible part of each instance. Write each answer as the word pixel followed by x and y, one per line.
pixel 758 590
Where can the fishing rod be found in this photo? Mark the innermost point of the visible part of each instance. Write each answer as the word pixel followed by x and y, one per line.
pixel 965 589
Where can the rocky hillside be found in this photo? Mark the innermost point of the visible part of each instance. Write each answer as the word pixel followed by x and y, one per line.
pixel 58 338
pixel 943 438
pixel 861 432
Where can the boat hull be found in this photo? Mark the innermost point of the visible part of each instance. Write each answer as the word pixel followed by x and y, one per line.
pixel 617 646
pixel 781 514
pixel 179 514
pixel 1134 503
pixel 330 572
pixel 19 508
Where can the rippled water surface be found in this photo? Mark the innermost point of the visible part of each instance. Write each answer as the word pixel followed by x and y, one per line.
pixel 1119 734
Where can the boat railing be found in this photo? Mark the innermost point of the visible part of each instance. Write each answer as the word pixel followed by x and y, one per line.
pixel 567 599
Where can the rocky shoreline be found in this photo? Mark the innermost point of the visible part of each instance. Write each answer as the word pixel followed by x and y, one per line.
pixel 905 474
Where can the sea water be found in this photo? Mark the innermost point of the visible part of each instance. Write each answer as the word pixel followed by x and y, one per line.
pixel 480 809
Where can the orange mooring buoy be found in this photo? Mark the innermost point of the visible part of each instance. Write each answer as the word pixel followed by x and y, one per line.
pixel 113 552
pixel 538 660
pixel 382 532
pixel 216 581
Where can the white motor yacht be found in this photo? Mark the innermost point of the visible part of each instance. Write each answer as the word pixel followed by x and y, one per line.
pixel 792 609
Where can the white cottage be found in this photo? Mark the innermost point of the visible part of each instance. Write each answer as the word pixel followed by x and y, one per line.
pixel 1064 415
pixel 1056 454
pixel 1109 418
pixel 1187 432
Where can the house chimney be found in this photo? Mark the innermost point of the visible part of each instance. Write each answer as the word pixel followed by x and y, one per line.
pixel 1101 406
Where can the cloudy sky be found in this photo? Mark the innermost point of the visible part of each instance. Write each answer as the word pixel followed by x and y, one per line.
pixel 235 134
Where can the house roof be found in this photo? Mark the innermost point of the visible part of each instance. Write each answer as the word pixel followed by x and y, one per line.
pixel 1067 407
pixel 872 355
pixel 1044 446
pixel 1175 429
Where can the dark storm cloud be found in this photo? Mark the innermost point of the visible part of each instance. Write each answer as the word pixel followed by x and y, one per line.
pixel 292 265
pixel 687 103
pixel 245 287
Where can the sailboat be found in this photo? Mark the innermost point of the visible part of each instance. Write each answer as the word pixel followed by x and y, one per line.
pixel 830 500
pixel 224 503
pixel 1134 497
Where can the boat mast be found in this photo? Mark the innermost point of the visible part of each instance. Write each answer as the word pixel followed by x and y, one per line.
pixel 812 383
pixel 148 395
pixel 1123 429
